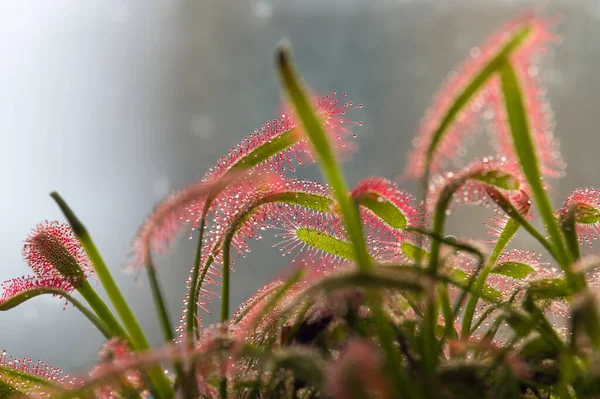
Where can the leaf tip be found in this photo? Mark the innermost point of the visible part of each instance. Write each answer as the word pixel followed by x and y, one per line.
pixel 283 54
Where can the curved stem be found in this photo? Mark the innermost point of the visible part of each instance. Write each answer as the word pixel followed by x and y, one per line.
pixel 322 204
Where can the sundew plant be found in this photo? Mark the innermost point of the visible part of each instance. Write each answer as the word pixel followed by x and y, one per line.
pixel 381 300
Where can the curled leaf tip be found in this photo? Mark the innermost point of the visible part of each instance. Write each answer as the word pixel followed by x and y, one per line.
pixel 283 54
pixel 53 251
pixel 20 289
pixel 471 92
pixel 387 205
pixel 471 185
pixel 585 203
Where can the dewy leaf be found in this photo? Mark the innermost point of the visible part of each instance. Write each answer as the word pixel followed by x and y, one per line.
pixel 268 149
pixel 20 289
pixel 489 292
pixel 315 239
pixel 499 178
pixel 23 296
pixel 549 288
pixel 313 127
pixel 514 270
pixel 478 81
pixel 469 185
pixel 276 145
pixel 472 183
pixel 255 205
pixel 7 390
pixel 30 377
pixel 53 251
pixel 249 207
pixel 384 209
pixel 326 243
pixel 22 381
pixel 388 205
pixel 519 264
pixel 443 126
pixel 315 202
pixel 413 252
pixel 585 203
pixel 587 214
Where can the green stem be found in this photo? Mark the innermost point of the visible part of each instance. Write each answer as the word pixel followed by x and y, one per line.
pixel 429 340
pixel 318 137
pixel 137 338
pixel 430 349
pixel 163 316
pixel 102 310
pixel 447 311
pixel 537 235
pixel 225 288
pixel 525 150
pixel 507 234
pixel 223 388
pixel 515 215
pixel 226 268
pixel 294 198
pixel 570 232
pixel 393 361
pixel 430 346
pixel 192 307
pixel 159 302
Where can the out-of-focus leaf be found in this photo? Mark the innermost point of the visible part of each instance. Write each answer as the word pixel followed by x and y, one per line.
pixel 514 270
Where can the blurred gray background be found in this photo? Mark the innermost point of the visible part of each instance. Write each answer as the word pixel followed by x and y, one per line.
pixel 114 103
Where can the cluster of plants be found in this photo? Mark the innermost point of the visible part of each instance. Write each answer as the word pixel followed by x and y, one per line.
pixel 380 301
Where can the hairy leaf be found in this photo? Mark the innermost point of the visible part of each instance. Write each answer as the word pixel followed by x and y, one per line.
pixel 384 209
pixel 514 270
